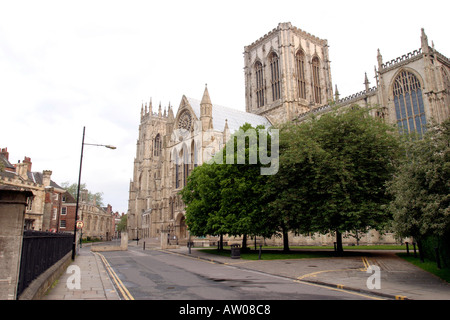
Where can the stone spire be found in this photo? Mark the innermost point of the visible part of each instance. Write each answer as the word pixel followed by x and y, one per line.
pixel 336 93
pixel 206 110
pixel 226 132
pixel 380 59
pixel 424 42
pixel 170 113
pixel 366 82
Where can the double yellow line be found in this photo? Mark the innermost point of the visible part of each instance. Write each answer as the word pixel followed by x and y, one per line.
pixel 123 290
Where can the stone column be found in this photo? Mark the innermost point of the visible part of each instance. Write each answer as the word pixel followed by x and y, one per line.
pixel 13 201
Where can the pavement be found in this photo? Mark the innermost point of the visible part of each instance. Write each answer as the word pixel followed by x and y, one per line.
pixel 380 273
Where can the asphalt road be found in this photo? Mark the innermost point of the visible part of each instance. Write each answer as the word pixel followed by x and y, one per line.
pixel 158 275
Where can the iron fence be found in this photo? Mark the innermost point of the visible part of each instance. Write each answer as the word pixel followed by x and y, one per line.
pixel 41 250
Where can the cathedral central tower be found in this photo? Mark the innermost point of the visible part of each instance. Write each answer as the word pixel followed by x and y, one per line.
pixel 287 72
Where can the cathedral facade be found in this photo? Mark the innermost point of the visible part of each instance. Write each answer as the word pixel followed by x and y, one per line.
pixel 287 78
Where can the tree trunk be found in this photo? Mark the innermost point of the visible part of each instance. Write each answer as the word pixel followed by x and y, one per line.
pixel 244 243
pixel 421 253
pixel 221 242
pixel 285 240
pixel 339 248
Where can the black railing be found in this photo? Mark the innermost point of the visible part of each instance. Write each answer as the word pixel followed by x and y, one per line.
pixel 41 250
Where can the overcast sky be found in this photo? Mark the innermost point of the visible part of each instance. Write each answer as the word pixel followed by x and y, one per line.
pixel 69 64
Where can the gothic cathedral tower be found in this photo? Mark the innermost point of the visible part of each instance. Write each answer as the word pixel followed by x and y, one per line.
pixel 287 72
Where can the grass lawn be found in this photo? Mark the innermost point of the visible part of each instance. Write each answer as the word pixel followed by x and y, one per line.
pixel 427 265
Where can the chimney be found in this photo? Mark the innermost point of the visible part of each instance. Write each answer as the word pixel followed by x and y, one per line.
pixel 4 152
pixel 46 174
pixel 84 195
pixel 27 161
pixel 21 169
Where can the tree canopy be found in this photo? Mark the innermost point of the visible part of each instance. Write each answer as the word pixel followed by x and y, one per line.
pixel 333 171
pixel 73 188
pixel 331 177
pixel 420 189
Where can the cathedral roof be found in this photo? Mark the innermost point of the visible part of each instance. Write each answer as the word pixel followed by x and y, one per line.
pixel 235 118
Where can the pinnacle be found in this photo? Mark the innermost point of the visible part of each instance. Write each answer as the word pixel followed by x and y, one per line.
pixel 206 99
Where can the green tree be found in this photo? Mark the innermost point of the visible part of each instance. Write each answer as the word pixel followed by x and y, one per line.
pixel 224 196
pixel 73 188
pixel 201 196
pixel 420 189
pixel 242 183
pixel 333 171
pixel 122 226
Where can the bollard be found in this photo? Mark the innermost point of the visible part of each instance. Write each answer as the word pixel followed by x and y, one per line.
pixel 259 256
pixel 144 245
pixel 407 249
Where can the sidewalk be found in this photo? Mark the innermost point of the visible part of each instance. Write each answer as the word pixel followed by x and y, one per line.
pixel 95 283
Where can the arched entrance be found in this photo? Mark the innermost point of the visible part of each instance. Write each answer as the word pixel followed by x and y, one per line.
pixel 181 228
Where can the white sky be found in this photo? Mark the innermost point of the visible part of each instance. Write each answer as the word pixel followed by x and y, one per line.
pixel 69 64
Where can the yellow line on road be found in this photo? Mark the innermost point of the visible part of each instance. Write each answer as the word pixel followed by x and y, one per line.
pixel 339 288
pixel 366 264
pixel 125 293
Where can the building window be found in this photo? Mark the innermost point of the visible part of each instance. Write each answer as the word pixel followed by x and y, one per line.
pixel 408 101
pixel 316 80
pixel 62 223
pixel 259 84
pixel 301 81
pixel 157 146
pixel 63 210
pixel 275 72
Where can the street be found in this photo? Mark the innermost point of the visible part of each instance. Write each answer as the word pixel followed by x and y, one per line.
pixel 160 275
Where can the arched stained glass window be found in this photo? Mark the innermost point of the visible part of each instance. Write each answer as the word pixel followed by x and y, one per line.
pixel 259 84
pixel 301 82
pixel 409 108
pixel 275 72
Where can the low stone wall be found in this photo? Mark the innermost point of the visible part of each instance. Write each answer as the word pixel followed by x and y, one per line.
pixel 37 289
pixel 123 245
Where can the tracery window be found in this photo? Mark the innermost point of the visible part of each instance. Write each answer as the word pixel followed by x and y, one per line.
pixel 259 84
pixel 316 80
pixel 301 81
pixel 275 72
pixel 157 146
pixel 408 102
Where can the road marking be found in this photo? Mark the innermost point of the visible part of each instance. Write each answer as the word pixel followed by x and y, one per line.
pixel 398 297
pixel 339 289
pixel 125 293
pixel 366 264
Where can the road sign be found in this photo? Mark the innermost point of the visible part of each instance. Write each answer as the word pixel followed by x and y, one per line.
pixel 80 224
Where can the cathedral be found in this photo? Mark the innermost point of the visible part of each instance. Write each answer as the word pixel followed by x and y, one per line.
pixel 287 78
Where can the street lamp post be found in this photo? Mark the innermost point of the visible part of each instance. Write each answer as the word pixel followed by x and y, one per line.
pixel 78 190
